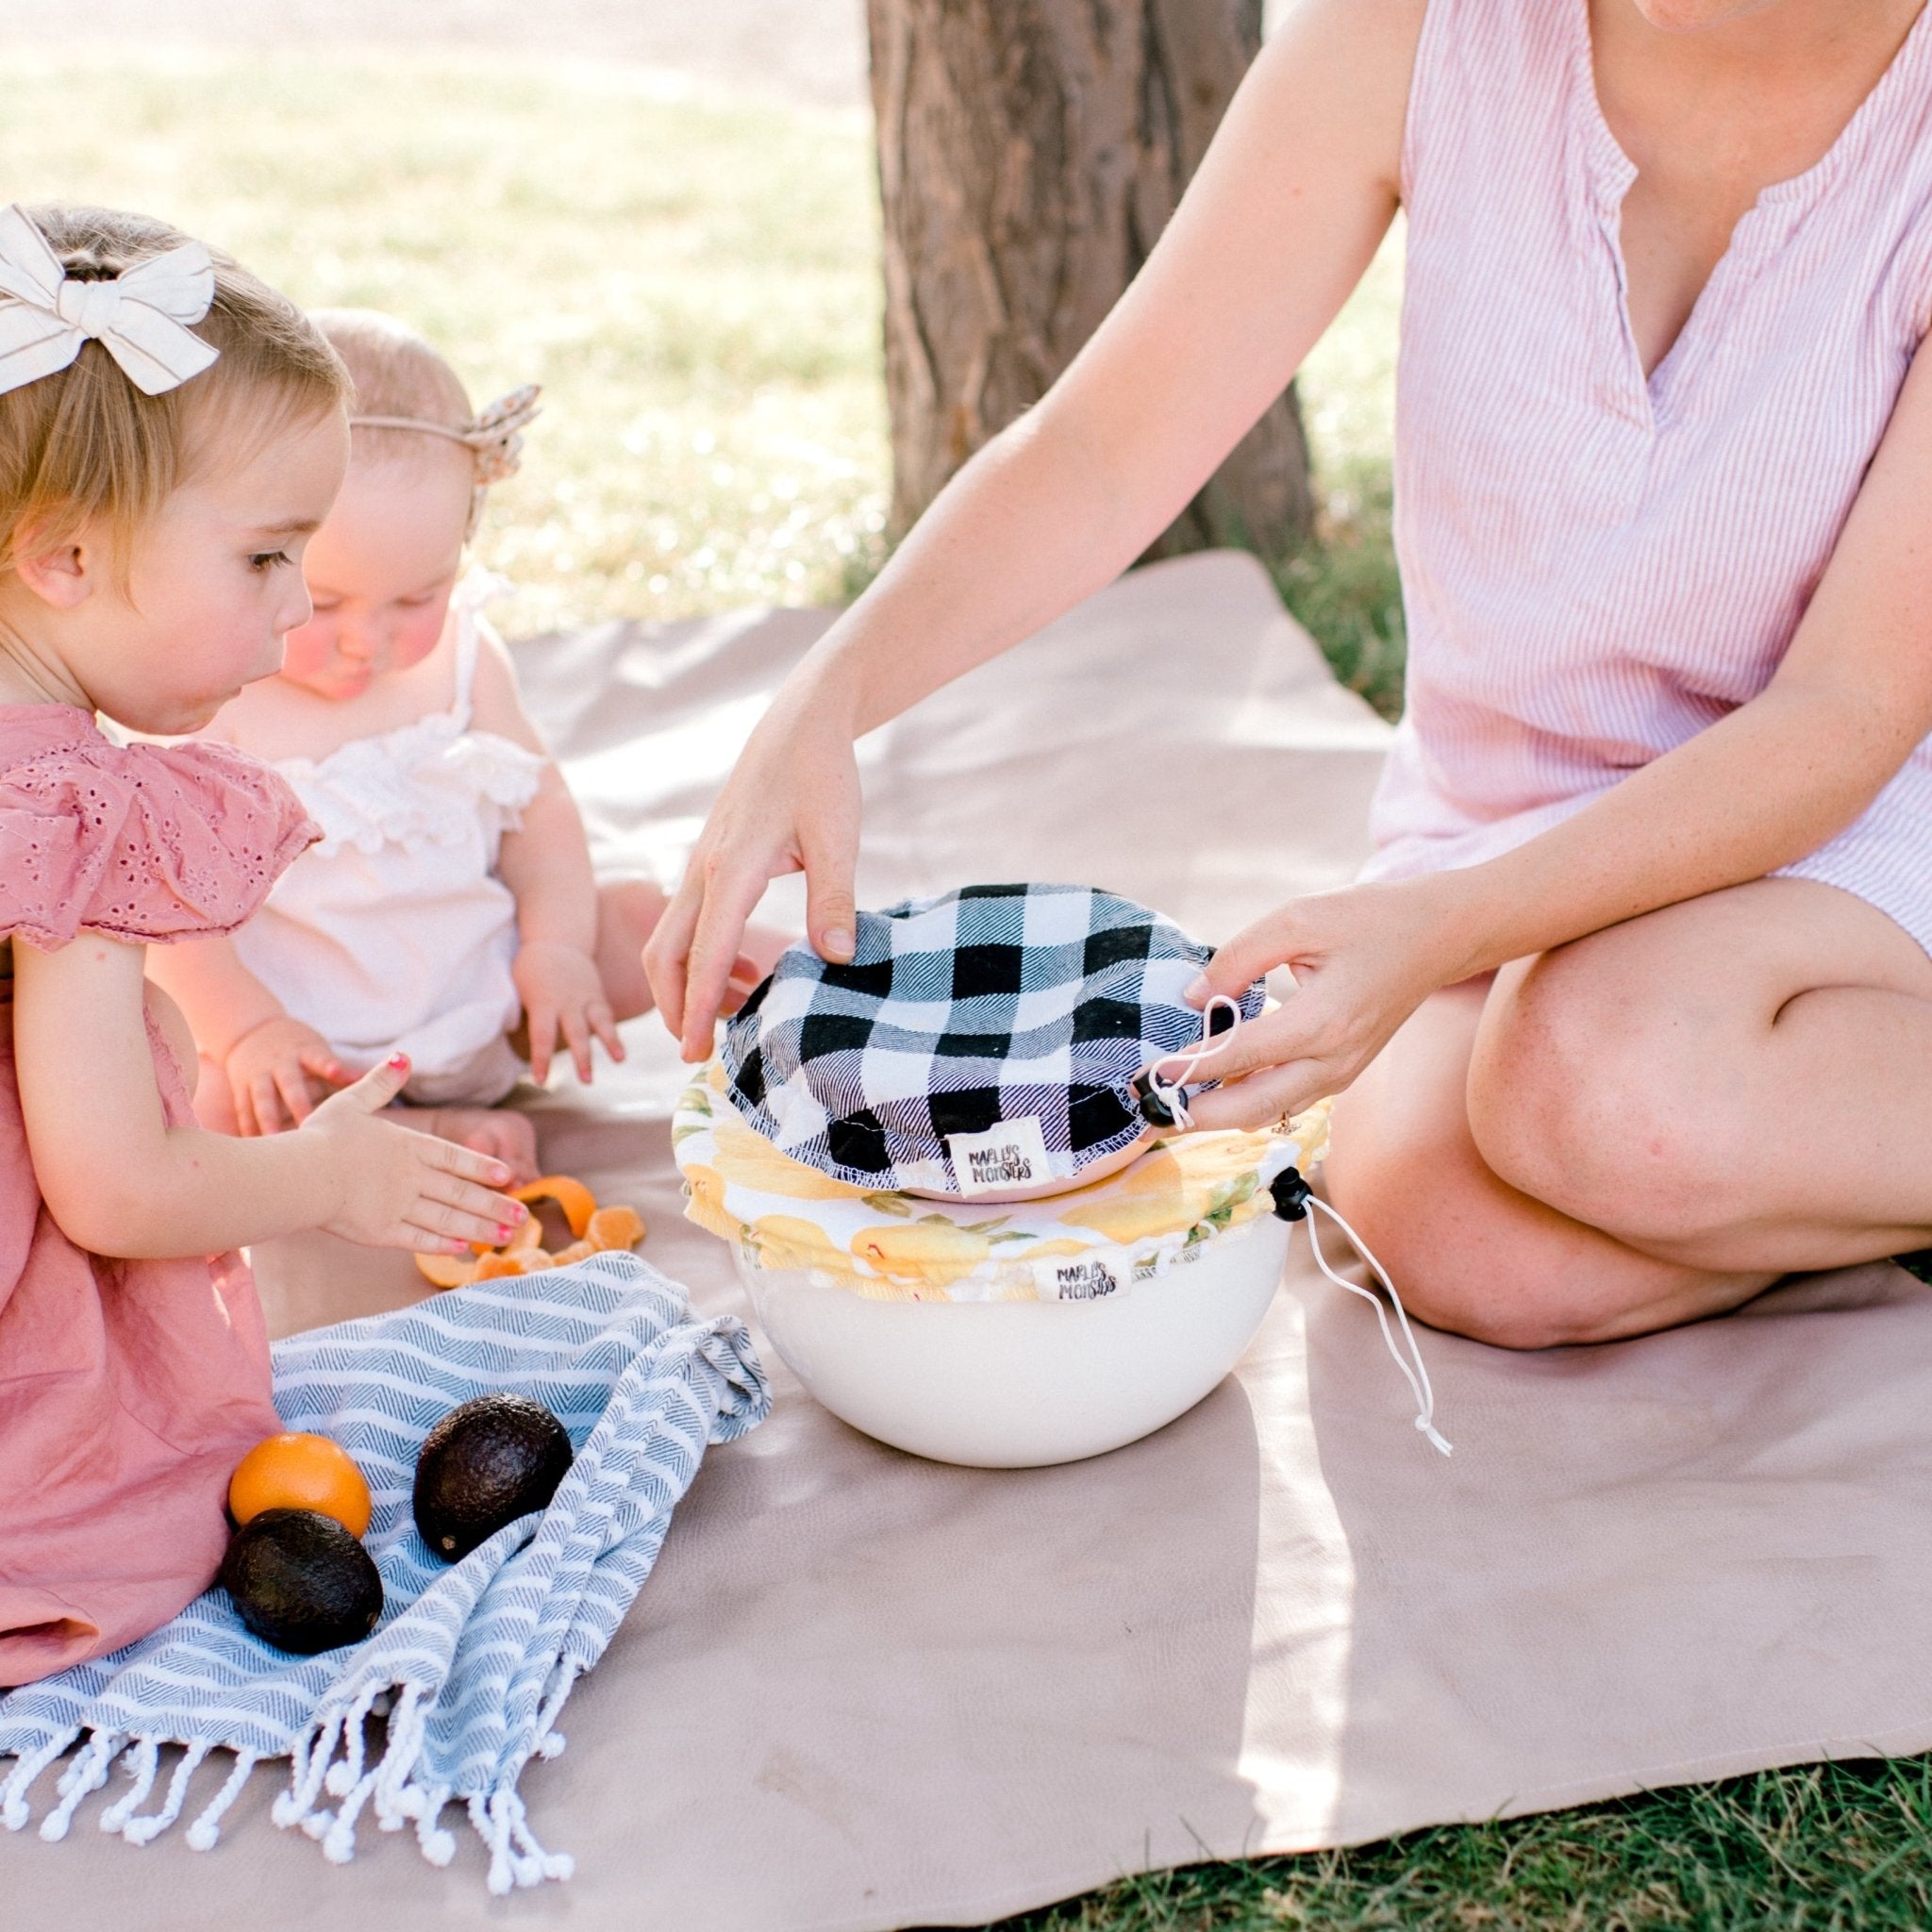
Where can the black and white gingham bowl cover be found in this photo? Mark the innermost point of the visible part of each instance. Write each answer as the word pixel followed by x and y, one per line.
pixel 984 1039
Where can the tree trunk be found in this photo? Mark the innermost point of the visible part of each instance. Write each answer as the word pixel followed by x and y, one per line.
pixel 1030 153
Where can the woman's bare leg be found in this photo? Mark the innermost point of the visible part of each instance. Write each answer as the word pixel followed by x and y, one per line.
pixel 1469 1252
pixel 1654 1122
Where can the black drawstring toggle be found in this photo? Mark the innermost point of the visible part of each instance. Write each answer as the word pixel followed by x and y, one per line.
pixel 1291 1193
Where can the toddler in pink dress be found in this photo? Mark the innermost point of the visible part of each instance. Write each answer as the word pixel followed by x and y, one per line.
pixel 171 431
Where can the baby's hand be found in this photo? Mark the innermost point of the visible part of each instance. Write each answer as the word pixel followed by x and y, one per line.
pixel 280 1066
pixel 401 1190
pixel 561 988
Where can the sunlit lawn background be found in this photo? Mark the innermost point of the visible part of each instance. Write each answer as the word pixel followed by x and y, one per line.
pixel 695 282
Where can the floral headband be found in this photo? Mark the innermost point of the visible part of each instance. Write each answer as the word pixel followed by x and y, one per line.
pixel 495 439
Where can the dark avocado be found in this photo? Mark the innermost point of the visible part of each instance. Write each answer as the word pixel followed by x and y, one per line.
pixel 486 1462
pixel 301 1581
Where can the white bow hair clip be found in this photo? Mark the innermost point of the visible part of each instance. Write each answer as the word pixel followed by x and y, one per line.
pixel 139 317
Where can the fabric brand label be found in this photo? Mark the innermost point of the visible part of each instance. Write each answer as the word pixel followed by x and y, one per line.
pixel 1012 1155
pixel 1083 1280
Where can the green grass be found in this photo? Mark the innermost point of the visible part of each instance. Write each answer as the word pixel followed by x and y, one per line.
pixel 695 282
pixel 1343 586
pixel 1821 1849
pixel 1825 1849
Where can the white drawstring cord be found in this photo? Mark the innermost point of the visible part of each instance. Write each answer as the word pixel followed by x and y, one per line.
pixel 1168 1093
pixel 1171 1095
pixel 1418 1377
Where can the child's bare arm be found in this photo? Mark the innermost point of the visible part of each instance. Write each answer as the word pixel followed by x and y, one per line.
pixel 222 1000
pixel 119 1180
pixel 546 865
pixel 277 1067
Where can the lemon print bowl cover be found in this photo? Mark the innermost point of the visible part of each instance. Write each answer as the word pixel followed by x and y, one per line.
pixel 1186 1194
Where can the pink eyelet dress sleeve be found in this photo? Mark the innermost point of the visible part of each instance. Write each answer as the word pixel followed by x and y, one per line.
pixel 128 1390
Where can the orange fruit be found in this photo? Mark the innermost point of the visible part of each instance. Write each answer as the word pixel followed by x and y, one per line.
pixel 293 1471
pixel 615 1227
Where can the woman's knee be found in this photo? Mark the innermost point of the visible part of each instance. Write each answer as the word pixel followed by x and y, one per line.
pixel 1608 1104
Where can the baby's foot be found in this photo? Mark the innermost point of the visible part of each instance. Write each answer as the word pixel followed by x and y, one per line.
pixel 498 1131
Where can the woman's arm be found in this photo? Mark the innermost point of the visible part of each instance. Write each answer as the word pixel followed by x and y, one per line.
pixel 119 1180
pixel 1765 785
pixel 1283 216
pixel 546 865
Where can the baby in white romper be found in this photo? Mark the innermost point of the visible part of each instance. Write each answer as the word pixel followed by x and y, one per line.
pixel 450 904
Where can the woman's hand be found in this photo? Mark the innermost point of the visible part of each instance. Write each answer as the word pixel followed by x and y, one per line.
pixel 562 990
pixel 1363 959
pixel 398 1188
pixel 275 1069
pixel 791 803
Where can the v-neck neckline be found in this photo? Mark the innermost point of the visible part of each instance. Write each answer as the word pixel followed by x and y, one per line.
pixel 1612 172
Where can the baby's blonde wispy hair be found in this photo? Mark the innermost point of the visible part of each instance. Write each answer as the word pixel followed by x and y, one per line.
pixel 396 373
pixel 85 443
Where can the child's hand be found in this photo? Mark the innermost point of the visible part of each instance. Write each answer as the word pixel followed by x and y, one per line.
pixel 280 1068
pixel 562 989
pixel 403 1189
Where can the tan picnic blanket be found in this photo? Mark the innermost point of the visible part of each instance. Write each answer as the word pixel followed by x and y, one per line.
pixel 866 1691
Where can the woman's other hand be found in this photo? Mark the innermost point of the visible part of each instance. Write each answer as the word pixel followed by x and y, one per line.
pixel 1363 960
pixel 791 803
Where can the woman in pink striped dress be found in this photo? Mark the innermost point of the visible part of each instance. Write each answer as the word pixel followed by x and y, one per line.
pixel 1634 1004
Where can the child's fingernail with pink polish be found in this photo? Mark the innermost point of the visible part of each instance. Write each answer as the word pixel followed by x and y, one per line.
pixel 504 1230
pixel 399 1059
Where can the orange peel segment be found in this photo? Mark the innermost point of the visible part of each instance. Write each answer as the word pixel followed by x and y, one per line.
pixel 499 1262
pixel 577 1202
pixel 446 1270
pixel 596 1230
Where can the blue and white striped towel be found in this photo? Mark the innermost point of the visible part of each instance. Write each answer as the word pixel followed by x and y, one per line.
pixel 471 1662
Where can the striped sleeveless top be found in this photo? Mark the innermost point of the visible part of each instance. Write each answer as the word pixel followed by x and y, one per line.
pixel 1594 565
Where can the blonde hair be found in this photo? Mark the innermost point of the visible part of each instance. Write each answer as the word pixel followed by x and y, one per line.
pixel 396 373
pixel 84 443
pixel 408 401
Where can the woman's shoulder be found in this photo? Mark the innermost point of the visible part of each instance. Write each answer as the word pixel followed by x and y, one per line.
pixel 142 842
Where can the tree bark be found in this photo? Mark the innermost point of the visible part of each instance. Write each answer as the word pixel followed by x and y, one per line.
pixel 1030 153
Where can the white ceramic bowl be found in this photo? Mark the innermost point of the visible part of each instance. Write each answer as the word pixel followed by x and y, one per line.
pixel 1013 1384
